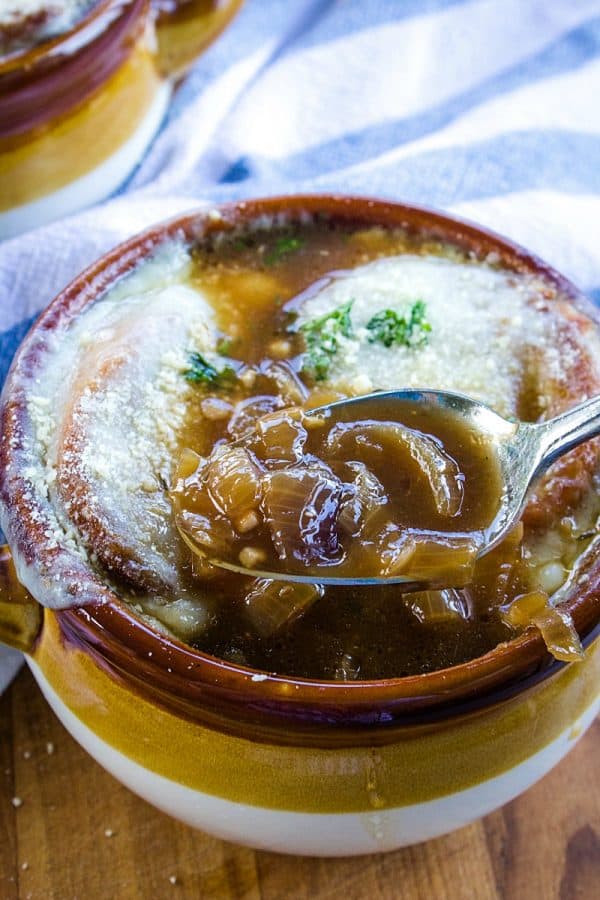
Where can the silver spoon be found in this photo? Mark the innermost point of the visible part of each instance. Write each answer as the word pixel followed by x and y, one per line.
pixel 524 451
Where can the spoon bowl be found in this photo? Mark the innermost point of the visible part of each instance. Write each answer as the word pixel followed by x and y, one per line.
pixel 524 451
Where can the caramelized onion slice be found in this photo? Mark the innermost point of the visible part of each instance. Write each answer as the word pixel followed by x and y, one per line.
pixel 234 482
pixel 433 607
pixel 185 617
pixel 288 385
pixel 445 559
pixel 247 412
pixel 431 558
pixel 280 437
pixel 208 534
pixel 440 470
pixel 201 527
pixel 556 625
pixel 301 507
pixel 359 513
pixel 560 635
pixel 500 570
pixel 392 551
pixel 273 605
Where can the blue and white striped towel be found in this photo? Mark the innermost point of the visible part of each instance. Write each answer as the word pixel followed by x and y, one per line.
pixel 487 108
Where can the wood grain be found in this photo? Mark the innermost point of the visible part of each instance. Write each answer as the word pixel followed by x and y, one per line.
pixel 79 835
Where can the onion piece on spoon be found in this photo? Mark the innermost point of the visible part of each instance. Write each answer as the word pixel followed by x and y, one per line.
pixel 440 470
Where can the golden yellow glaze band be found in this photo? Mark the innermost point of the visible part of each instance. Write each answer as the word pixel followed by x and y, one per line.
pixel 72 146
pixel 423 764
pixel 185 33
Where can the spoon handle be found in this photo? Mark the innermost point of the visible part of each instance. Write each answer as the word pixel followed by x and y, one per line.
pixel 568 430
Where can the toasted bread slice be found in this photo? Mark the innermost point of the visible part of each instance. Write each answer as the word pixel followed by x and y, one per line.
pixel 119 435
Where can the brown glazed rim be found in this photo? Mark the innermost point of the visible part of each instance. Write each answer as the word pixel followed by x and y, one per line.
pixel 220 693
pixel 48 80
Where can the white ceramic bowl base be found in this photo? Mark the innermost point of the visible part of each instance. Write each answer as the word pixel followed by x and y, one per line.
pixel 316 834
pixel 95 185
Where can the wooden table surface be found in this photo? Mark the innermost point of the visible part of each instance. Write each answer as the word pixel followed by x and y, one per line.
pixel 76 834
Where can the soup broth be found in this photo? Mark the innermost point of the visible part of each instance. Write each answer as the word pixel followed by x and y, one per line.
pixel 259 282
pixel 256 321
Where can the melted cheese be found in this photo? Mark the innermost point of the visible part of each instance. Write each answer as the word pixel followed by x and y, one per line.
pixel 484 323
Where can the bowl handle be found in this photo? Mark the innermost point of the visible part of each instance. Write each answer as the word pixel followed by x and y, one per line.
pixel 20 615
pixel 184 28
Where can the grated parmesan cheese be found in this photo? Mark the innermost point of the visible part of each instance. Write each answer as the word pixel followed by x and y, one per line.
pixel 482 324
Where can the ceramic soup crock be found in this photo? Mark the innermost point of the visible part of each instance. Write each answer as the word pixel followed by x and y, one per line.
pixel 289 764
pixel 78 110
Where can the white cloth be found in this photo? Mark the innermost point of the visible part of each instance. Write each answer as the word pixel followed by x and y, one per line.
pixel 486 108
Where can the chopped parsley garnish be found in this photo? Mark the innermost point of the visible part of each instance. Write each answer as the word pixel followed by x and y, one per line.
pixel 409 330
pixel 283 247
pixel 322 339
pixel 203 372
